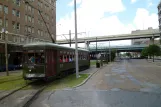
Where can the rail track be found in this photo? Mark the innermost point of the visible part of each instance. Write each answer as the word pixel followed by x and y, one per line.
pixel 39 89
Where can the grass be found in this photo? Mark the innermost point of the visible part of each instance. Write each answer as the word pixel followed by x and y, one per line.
pixel 67 82
pixel 16 81
pixel 11 82
pixel 93 62
pixel 11 77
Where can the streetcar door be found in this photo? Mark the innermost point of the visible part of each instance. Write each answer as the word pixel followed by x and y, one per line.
pixel 51 63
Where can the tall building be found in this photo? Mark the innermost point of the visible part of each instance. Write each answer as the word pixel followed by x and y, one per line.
pixel 159 15
pixel 22 20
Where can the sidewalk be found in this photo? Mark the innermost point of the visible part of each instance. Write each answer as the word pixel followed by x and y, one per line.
pixel 156 62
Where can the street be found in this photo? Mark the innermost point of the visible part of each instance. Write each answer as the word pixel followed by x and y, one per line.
pixel 126 83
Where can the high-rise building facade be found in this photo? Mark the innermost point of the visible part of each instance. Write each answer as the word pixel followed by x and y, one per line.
pixel 21 18
pixel 159 15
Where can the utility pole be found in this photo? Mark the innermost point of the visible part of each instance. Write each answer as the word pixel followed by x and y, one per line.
pixel 76 44
pixel 6 52
pixel 70 38
pixel 96 49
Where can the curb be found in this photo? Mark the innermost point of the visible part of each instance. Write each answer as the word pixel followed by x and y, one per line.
pixel 87 78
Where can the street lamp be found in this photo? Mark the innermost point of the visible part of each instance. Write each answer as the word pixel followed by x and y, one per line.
pixel 4 32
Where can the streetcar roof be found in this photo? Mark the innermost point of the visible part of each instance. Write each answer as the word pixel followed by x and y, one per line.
pixel 48 45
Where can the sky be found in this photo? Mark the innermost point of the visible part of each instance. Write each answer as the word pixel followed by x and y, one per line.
pixel 106 17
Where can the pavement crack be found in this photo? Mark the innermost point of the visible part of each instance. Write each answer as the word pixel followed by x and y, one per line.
pixel 51 94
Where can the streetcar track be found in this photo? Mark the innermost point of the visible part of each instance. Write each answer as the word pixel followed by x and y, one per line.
pixel 34 97
pixel 14 91
pixel 5 96
pixel 29 102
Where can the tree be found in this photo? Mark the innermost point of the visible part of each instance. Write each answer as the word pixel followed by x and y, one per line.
pixel 128 54
pixel 113 54
pixel 154 50
pixel 144 52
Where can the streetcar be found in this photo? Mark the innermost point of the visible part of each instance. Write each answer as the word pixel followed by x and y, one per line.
pixel 48 60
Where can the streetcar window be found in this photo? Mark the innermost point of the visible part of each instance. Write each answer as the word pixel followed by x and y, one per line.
pixel 31 57
pixel 70 59
pixel 67 59
pixel 34 58
pixel 64 59
pixel 39 58
pixel 61 59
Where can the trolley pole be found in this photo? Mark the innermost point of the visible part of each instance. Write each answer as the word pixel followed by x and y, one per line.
pixel 6 52
pixel 76 44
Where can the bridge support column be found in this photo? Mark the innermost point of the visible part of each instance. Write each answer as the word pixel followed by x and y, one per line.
pixel 87 45
pixel 151 41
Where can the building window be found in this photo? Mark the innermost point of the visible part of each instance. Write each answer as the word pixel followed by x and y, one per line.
pixel 38 21
pixel 6 9
pixel 38 3
pixel 26 28
pixel 6 24
pixel 13 25
pixel 13 12
pixel 29 18
pixel 1 7
pixel 33 20
pixel 18 13
pixel 26 5
pixel 1 23
pixel 18 26
pixel 29 29
pixel 33 30
pixel 38 12
pixel 32 10
pixel 41 4
pixel 18 2
pixel 31 0
pixel 42 33
pixel 47 17
pixel 38 32
pixel 42 23
pixel 14 1
pixel 29 8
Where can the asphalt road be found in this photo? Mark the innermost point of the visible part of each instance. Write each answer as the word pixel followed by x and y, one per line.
pixel 128 83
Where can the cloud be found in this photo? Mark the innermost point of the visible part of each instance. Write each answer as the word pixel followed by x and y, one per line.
pixel 150 4
pixel 91 19
pixel 133 1
pixel 144 19
pixel 89 14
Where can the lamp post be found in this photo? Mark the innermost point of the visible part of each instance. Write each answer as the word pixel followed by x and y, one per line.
pixel 76 44
pixel 4 32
